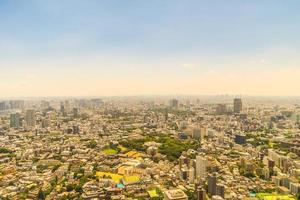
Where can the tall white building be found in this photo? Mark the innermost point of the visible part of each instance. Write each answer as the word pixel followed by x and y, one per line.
pixel 191 175
pixel 201 165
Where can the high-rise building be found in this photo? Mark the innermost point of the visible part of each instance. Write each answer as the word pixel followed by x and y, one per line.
pixel 191 175
pixel 30 118
pixel 45 122
pixel 67 106
pixel 221 109
pixel 196 134
pixel 15 120
pixel 199 133
pixel 237 105
pixel 16 104
pixel 2 105
pixel 45 105
pixel 174 103
pixel 201 165
pixel 96 103
pixel 212 184
pixel 75 112
pixel 62 108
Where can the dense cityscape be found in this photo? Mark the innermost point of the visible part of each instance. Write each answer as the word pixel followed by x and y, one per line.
pixel 149 100
pixel 181 148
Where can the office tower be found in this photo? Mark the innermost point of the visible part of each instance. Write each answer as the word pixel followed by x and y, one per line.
pixel 201 194
pixel 16 104
pixel 45 122
pixel 45 105
pixel 201 164
pixel 75 112
pixel 196 134
pixel 30 118
pixel 199 133
pixel 67 106
pixel 96 103
pixel 166 114
pixel 174 103
pixel 191 175
pixel 62 108
pixel 15 121
pixel 2 106
pixel 221 109
pixel 237 105
pixel 212 184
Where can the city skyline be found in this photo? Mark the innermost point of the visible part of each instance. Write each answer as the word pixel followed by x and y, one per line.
pixel 109 48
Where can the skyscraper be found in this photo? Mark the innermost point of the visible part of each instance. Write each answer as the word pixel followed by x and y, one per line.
pixel 16 104
pixel 201 164
pixel 15 121
pixel 191 175
pixel 199 133
pixel 30 118
pixel 212 184
pixel 67 106
pixel 45 105
pixel 2 106
pixel 75 112
pixel 237 105
pixel 221 109
pixel 174 103
pixel 62 108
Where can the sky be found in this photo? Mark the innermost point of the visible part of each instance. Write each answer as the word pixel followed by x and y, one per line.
pixel 157 47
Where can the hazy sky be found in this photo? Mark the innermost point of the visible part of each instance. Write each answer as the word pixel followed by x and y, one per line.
pixel 142 47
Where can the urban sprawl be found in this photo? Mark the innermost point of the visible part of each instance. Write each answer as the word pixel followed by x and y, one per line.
pixel 150 148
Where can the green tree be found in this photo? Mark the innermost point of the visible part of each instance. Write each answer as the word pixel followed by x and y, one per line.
pixel 5 150
pixel 41 195
pixel 70 187
pixel 78 188
pixel 55 168
pixel 92 144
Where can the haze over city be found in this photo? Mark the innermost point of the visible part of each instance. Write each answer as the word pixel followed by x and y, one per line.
pixel 98 48
pixel 149 100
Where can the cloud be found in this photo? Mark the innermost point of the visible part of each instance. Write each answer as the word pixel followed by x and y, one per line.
pixel 30 76
pixel 97 75
pixel 188 66
pixel 263 61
